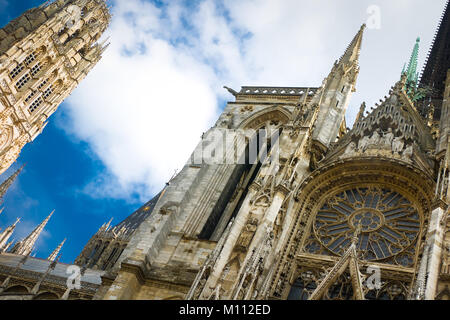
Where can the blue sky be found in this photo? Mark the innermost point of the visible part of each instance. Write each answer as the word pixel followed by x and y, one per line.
pixel 137 116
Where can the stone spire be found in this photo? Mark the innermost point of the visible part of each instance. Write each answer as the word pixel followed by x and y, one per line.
pixel 412 75
pixel 5 235
pixel 351 55
pixel 55 253
pixel 336 92
pixel 8 182
pixel 25 246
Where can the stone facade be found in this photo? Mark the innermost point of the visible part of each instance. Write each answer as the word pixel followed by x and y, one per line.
pixel 219 225
pixel 28 278
pixel 334 207
pixel 281 201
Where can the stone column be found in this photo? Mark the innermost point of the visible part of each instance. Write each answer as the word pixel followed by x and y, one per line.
pixel 277 202
pixel 269 218
pixel 434 240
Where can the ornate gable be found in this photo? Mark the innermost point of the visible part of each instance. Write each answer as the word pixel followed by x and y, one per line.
pixel 394 129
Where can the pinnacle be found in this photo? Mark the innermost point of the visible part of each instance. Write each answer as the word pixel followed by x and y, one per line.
pixel 26 245
pixel 352 52
pixel 54 255
pixel 9 181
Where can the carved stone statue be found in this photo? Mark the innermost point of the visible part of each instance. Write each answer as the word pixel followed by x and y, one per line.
pixel 265 168
pixel 350 148
pixel 407 154
pixel 363 143
pixel 226 121
pixel 375 138
pixel 388 137
pixel 247 234
pixel 397 145
pixel 302 117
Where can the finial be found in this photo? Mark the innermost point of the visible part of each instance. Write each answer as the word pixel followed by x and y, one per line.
pixel 57 251
pixel 360 114
pixel 108 224
pixel 356 234
pixel 412 75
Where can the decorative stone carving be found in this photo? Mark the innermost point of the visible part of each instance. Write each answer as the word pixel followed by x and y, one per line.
pixel 226 121
pixel 302 116
pixel 397 145
pixel 245 109
pixel 388 137
pixel 375 138
pixel 351 148
pixel 5 136
pixel 247 234
pixel 407 154
pixel 33 42
pixel 363 143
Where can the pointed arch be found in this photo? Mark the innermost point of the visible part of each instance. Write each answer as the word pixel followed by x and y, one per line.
pixel 46 296
pixel 17 289
pixel 258 119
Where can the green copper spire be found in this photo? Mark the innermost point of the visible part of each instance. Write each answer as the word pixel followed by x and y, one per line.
pixel 411 73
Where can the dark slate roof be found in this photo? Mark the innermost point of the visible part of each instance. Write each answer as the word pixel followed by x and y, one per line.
pixel 133 221
pixel 434 73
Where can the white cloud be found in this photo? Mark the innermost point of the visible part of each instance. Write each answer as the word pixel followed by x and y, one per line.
pixel 159 85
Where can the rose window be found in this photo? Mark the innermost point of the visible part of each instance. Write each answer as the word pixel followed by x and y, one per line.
pixel 389 223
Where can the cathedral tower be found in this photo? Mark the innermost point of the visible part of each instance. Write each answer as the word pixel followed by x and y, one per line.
pixel 44 54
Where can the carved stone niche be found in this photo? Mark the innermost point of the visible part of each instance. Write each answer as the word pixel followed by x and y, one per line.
pixel 317 152
pixel 247 234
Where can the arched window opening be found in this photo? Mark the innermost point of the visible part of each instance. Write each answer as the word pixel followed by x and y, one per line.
pixel 227 207
pixel 110 258
pixel 302 289
pixel 46 296
pixel 17 290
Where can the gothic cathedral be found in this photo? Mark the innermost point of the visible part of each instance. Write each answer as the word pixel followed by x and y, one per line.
pixel 280 200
